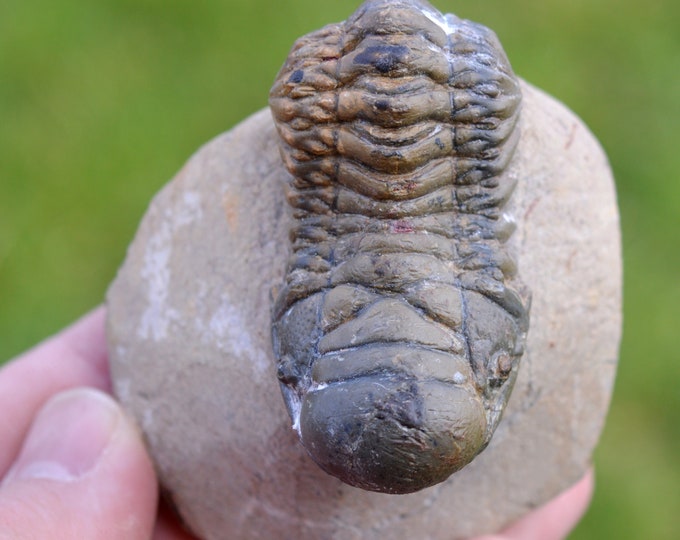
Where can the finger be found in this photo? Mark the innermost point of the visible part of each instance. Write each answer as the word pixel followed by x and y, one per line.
pixel 82 473
pixel 74 357
pixel 556 519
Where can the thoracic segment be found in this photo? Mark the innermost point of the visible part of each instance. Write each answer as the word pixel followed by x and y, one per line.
pixel 396 127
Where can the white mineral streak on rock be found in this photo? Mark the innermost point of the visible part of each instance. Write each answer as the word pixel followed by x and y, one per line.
pixel 190 209
pixel 147 418
pixel 227 325
pixel 441 21
pixel 123 389
pixel 230 332
pixel 156 274
pixel 155 271
pixel 295 410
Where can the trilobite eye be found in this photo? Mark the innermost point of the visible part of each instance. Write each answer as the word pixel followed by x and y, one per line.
pixel 401 320
pixel 296 76
pixel 287 371
pixel 501 367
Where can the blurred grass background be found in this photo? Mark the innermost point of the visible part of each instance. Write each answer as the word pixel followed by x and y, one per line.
pixel 102 101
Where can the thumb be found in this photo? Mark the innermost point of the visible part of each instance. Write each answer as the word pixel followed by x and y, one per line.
pixel 82 473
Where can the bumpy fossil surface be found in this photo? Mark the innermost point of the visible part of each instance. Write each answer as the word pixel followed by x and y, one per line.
pixel 402 320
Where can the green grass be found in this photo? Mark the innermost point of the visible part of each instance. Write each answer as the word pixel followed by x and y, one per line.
pixel 102 101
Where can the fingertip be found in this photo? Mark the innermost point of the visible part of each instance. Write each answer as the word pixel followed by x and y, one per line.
pixel 67 437
pixel 82 472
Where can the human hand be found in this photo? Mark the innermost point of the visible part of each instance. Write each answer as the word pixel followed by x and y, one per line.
pixel 73 466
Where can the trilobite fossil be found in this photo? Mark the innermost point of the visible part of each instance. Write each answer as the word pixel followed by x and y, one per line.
pixel 401 322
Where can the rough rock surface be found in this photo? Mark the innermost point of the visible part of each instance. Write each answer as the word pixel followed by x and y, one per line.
pixel 189 338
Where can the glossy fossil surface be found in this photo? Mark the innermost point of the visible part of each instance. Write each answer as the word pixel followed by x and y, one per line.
pixel 402 320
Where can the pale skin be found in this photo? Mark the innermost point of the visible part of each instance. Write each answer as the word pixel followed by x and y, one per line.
pixel 73 466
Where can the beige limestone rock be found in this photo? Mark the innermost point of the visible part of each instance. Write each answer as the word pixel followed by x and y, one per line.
pixel 189 323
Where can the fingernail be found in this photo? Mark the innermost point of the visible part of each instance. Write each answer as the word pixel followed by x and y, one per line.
pixel 67 437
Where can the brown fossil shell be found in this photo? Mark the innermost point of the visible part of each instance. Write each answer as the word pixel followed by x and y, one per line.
pixel 402 320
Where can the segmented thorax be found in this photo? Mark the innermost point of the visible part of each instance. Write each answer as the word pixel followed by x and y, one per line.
pixel 401 322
